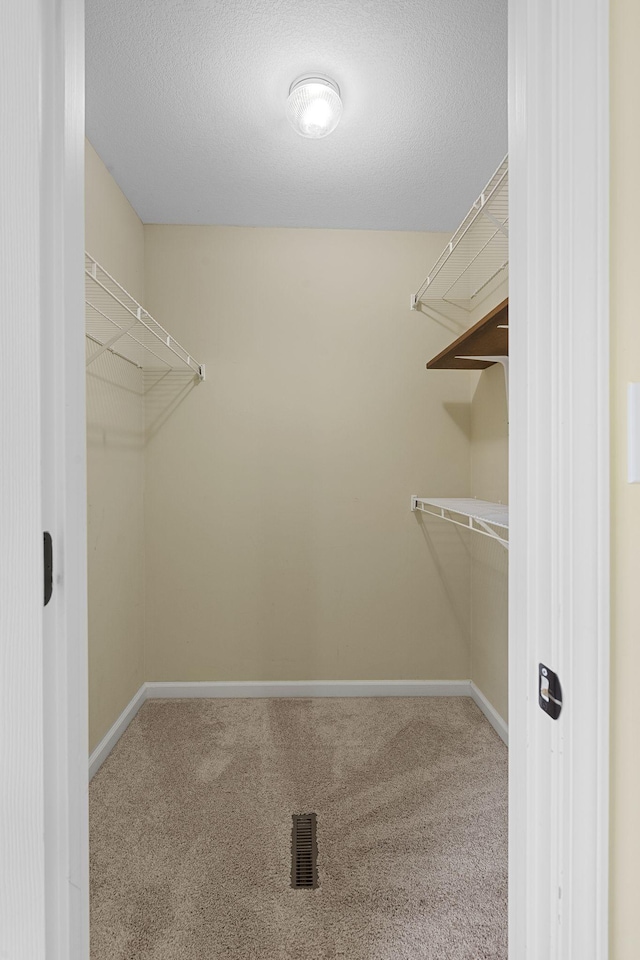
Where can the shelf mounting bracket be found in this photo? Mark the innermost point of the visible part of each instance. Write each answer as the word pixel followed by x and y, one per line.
pixel 504 363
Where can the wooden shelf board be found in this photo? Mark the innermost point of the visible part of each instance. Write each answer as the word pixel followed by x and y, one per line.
pixel 484 339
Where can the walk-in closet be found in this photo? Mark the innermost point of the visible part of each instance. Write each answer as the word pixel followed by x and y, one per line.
pixel 297 323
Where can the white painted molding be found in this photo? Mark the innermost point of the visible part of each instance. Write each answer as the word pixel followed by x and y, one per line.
pixel 23 304
pixel 59 42
pixel 110 739
pixel 559 458
pixel 490 712
pixel 311 688
pixel 44 865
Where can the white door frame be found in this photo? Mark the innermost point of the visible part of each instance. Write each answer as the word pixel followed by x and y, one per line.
pixel 22 887
pixel 66 741
pixel 559 413
pixel 559 476
pixel 43 651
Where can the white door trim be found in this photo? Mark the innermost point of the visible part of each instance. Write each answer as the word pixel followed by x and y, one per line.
pixel 559 487
pixel 22 887
pixel 64 479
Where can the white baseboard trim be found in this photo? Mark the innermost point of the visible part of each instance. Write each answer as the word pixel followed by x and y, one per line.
pixel 158 690
pixel 110 739
pixel 311 688
pixel 490 712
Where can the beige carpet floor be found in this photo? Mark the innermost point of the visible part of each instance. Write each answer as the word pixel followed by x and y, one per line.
pixel 191 832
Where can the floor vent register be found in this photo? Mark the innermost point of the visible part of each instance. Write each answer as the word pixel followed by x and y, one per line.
pixel 304 852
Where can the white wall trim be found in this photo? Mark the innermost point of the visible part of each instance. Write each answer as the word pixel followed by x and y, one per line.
pixel 490 712
pixel 311 688
pixel 112 736
pixel 44 867
pixel 558 476
pixel 22 722
pixel 265 689
pixel 64 492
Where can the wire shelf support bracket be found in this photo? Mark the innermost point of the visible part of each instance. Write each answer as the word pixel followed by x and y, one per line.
pixel 480 516
pixel 117 323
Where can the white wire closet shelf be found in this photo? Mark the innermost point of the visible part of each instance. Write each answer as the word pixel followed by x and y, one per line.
pixel 116 323
pixel 481 516
pixel 477 253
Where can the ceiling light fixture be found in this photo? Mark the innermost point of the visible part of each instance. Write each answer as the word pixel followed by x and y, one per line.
pixel 314 106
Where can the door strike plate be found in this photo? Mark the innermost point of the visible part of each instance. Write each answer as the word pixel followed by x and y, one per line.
pixel 48 567
pixel 549 692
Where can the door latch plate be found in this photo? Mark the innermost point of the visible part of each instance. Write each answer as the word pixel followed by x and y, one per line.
pixel 48 567
pixel 549 692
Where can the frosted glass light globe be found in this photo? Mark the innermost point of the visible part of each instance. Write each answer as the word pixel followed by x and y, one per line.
pixel 314 106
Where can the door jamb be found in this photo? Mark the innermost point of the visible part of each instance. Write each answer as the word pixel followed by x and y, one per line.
pixel 559 476
pixel 63 416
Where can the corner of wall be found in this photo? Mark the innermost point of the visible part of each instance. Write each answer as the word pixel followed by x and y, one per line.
pixel 489 569
pixel 115 469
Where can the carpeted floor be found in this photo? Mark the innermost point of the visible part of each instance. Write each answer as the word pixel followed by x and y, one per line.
pixel 191 832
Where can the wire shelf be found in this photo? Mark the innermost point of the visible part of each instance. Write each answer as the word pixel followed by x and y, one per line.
pixel 477 253
pixel 115 322
pixel 481 516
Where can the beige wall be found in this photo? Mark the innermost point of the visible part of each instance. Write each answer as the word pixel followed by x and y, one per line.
pixel 279 544
pixel 625 572
pixel 279 541
pixel 490 561
pixel 115 465
pixel 490 566
pixel 490 437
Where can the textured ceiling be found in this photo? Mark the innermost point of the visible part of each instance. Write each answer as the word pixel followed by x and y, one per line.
pixel 186 106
